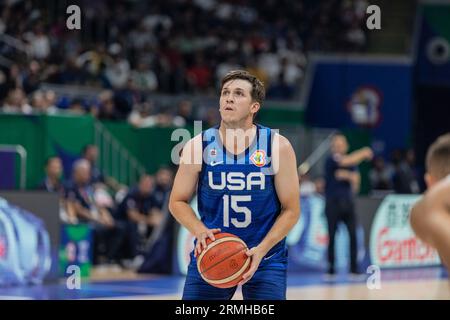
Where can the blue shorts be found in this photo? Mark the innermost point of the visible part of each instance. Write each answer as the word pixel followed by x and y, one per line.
pixel 268 283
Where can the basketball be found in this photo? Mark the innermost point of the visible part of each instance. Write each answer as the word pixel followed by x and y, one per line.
pixel 224 261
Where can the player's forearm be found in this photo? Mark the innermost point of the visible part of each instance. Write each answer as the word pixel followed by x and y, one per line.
pixel 353 159
pixel 184 214
pixel 284 223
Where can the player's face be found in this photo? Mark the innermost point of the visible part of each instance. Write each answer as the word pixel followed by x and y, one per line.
pixel 236 103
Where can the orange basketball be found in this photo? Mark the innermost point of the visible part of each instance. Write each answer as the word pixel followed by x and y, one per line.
pixel 224 261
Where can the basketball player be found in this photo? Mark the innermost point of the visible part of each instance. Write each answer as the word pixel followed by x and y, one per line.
pixel 247 185
pixel 430 216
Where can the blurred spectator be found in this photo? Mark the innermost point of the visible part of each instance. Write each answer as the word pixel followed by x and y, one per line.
pixel 212 117
pixel 143 116
pixel 76 107
pixel 164 180
pixel 32 77
pixel 199 74
pixel 81 207
pixel 184 114
pixel 53 172
pixel 17 102
pixel 379 175
pixel 404 178
pixel 39 42
pixel 137 208
pixel 164 117
pixel 107 108
pixel 143 78
pixel 38 101
pixel 118 70
pixel 90 153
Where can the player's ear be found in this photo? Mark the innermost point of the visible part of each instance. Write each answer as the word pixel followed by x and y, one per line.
pixel 255 107
pixel 429 180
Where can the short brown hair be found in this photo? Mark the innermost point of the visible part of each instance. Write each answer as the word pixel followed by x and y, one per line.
pixel 258 91
pixel 438 157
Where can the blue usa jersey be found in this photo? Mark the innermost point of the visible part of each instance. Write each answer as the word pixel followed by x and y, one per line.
pixel 236 193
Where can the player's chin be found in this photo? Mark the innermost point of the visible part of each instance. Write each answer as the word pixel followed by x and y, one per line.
pixel 229 120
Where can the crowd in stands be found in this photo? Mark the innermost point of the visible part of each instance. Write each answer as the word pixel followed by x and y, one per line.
pixel 399 175
pixel 123 222
pixel 130 50
pixel 130 53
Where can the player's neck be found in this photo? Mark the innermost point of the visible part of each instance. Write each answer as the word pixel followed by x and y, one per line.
pixel 245 125
pixel 237 138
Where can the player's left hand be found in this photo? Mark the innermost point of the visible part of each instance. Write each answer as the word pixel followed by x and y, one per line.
pixel 256 255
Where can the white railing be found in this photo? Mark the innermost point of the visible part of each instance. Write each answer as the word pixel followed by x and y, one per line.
pixel 115 160
pixel 17 148
pixel 318 149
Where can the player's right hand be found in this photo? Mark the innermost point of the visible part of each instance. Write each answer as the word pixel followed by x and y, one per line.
pixel 201 240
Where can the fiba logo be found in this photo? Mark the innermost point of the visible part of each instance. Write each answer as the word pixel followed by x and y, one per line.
pixel 364 106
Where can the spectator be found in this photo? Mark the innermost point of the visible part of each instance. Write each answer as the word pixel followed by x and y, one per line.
pixel 90 153
pixel 81 208
pixel 143 116
pixel 17 102
pixel 118 71
pixel 53 172
pixel 404 178
pixel 137 209
pixel 164 180
pixel 379 175
pixel 143 78
pixel 184 114
pixel 107 108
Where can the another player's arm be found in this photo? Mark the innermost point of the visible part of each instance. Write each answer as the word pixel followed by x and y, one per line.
pixel 288 191
pixel 183 189
pixel 356 157
pixel 430 219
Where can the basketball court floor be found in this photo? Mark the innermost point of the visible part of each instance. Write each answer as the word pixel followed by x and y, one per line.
pixel 404 284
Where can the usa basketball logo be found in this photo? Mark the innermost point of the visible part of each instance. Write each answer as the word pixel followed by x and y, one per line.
pixel 213 152
pixel 258 158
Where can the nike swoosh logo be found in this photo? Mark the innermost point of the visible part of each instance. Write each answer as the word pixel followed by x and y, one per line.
pixel 267 258
pixel 212 164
